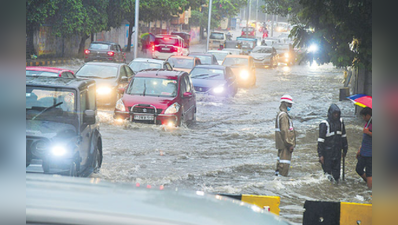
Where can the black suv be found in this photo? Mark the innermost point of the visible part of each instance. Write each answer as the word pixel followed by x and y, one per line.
pixel 104 51
pixel 62 128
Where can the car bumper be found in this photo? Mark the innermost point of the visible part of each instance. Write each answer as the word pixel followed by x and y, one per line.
pixel 159 119
pixel 262 62
pixel 55 166
pixel 164 55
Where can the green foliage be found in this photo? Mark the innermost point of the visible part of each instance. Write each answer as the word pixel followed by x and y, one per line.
pixel 281 7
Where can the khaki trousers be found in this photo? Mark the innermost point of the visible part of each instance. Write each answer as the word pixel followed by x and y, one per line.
pixel 283 161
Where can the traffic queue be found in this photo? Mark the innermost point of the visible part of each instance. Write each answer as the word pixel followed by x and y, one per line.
pixel 161 90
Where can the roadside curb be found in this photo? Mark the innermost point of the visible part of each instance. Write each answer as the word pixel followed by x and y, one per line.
pixel 48 62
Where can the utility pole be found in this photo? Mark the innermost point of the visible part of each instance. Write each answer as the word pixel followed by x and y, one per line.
pixel 256 15
pixel 208 25
pixel 137 7
pixel 247 21
pixel 272 25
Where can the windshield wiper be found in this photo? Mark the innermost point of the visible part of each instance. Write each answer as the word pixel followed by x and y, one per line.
pixel 50 107
pixel 201 75
pixel 89 76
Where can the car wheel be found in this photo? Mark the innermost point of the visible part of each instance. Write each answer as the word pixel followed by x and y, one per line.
pixel 97 160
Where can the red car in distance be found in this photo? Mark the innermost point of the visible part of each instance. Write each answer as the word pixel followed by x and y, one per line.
pixel 41 71
pixel 159 97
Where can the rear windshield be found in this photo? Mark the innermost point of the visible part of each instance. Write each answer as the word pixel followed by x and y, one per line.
pixel 166 41
pixel 98 71
pixel 204 59
pixel 99 46
pixel 181 63
pixel 235 62
pixel 262 50
pixel 138 66
pixel 249 28
pixel 217 36
pixel 41 73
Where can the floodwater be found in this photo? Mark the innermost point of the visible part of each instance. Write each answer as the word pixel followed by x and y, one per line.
pixel 230 148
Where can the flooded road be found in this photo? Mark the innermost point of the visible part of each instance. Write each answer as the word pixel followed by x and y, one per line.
pixel 230 148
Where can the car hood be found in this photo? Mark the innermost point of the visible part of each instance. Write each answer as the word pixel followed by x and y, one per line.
pixel 207 83
pixel 48 129
pixel 158 102
pixel 260 55
pixel 112 82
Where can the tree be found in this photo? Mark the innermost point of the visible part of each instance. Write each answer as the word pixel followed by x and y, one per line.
pixel 337 23
pixel 37 12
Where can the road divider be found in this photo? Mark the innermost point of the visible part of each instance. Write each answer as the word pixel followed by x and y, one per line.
pixel 336 213
pixel 270 203
pixel 48 62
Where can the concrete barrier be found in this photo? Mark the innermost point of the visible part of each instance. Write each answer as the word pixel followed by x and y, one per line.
pixel 48 62
pixel 337 213
pixel 270 203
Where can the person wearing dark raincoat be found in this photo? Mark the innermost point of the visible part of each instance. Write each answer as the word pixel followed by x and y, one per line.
pixel 332 139
pixel 285 136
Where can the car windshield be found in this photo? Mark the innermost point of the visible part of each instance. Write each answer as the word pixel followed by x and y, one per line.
pixel 262 50
pixel 219 36
pixel 41 73
pixel 160 87
pixel 166 41
pixel 98 71
pixel 204 59
pixel 181 62
pixel 44 103
pixel 220 56
pixel 138 66
pixel 98 46
pixel 207 73
pixel 230 61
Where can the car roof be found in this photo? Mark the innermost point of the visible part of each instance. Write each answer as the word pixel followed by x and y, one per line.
pixel 102 202
pixel 75 83
pixel 168 35
pixel 104 63
pixel 104 42
pixel 200 53
pixel 238 56
pixel 211 66
pixel 182 57
pixel 160 73
pixel 47 69
pixel 217 50
pixel 148 60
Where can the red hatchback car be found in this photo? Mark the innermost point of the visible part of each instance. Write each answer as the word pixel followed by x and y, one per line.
pixel 42 71
pixel 159 97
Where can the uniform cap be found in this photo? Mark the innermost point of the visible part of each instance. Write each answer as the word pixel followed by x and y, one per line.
pixel 287 98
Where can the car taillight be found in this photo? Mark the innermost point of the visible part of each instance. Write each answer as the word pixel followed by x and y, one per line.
pixel 153 48
pixel 110 53
pixel 86 51
pixel 176 49
pixel 243 33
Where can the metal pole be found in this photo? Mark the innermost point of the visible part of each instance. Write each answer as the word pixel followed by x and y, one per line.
pixel 137 7
pixel 272 25
pixel 208 25
pixel 256 15
pixel 247 21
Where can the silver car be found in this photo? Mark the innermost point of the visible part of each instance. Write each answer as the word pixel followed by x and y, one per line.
pixel 265 55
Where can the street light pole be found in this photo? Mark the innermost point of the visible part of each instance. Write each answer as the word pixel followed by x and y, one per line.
pixel 247 21
pixel 256 15
pixel 137 7
pixel 208 25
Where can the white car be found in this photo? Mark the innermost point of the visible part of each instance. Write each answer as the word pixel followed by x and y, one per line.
pixel 265 55
pixel 220 55
pixel 168 45
pixel 65 200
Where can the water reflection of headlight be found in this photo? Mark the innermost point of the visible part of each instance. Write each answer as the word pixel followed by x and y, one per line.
pixel 218 90
pixel 104 90
pixel 244 74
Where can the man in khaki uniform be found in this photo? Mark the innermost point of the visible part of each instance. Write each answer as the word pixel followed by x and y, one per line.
pixel 285 136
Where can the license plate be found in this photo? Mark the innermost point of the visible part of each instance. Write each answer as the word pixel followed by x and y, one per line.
pixel 144 117
pixel 166 49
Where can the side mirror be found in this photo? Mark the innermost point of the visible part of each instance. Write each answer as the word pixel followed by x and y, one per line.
pixel 121 90
pixel 89 117
pixel 124 79
pixel 187 95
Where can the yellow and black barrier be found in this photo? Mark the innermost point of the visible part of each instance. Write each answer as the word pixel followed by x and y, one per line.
pixel 48 62
pixel 265 202
pixel 336 213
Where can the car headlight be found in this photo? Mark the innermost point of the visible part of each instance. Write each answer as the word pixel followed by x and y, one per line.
pixel 244 74
pixel 174 108
pixel 58 150
pixel 120 105
pixel 104 90
pixel 313 48
pixel 218 89
pixel 286 55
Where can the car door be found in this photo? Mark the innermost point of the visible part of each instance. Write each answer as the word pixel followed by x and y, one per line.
pixel 187 102
pixel 85 130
